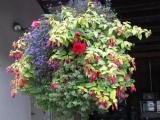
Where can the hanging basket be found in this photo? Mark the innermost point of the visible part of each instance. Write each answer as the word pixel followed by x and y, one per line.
pixel 75 62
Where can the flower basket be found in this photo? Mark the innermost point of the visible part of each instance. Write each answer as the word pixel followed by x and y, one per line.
pixel 75 62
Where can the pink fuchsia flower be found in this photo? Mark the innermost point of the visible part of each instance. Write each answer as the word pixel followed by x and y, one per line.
pixel 54 86
pixel 118 93
pixel 58 44
pixel 14 45
pixel 23 82
pixel 133 64
pixel 111 42
pixel 93 76
pixel 114 107
pixel 49 43
pixel 79 47
pixel 86 70
pixel 92 93
pixel 113 79
pixel 53 46
pixel 13 94
pixel 97 58
pixel 88 60
pixel 119 31
pixel 102 104
pixel 10 69
pixel 97 99
pixel 125 78
pixel 129 73
pixel 133 89
pixel 67 60
pixel 36 24
pixel 105 103
pixel 124 96
pixel 77 35
pixel 16 55
pixel 117 63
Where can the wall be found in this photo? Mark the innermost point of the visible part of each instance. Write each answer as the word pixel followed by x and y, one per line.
pixel 22 11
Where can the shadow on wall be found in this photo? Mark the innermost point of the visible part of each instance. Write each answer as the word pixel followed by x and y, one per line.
pixel 23 12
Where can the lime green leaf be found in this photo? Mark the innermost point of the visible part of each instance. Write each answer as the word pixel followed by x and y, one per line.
pixel 113 94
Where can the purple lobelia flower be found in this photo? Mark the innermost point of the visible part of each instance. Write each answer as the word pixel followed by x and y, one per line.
pixel 54 64
pixel 37 48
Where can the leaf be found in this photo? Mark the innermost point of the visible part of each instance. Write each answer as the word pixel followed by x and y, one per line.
pixel 95 34
pixel 108 105
pixel 134 32
pixel 148 33
pixel 28 66
pixel 110 31
pixel 89 85
pixel 103 68
pixel 115 101
pixel 120 79
pixel 75 103
pixel 105 26
pixel 113 94
pixel 27 75
pixel 85 95
pixel 140 36
pixel 122 45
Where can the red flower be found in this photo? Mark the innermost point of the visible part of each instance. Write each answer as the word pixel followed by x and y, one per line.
pixel 53 46
pixel 14 45
pixel 58 44
pixel 97 99
pixel 77 34
pixel 54 86
pixel 133 64
pixel 119 31
pixel 118 93
pixel 86 70
pixel 94 76
pixel 113 79
pixel 105 103
pixel 125 78
pixel 114 107
pixel 97 58
pixel 117 64
pixel 16 55
pixel 129 73
pixel 111 42
pixel 68 60
pixel 88 61
pixel 133 89
pixel 13 94
pixel 79 47
pixel 49 43
pixel 92 93
pixel 36 24
pixel 23 82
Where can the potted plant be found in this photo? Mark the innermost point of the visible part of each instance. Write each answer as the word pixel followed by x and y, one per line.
pixel 75 63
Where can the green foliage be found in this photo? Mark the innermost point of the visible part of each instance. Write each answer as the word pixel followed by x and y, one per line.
pixel 90 80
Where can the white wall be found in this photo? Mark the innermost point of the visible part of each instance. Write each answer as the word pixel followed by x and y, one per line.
pixel 22 11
